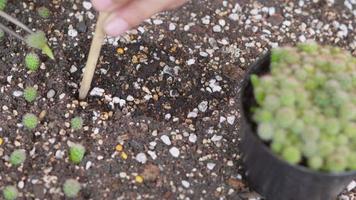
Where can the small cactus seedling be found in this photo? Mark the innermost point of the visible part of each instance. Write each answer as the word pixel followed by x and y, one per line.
pixel 71 188
pixel 32 62
pixel 30 94
pixel 18 157
pixel 43 12
pixel 306 106
pixel 3 4
pixel 38 40
pixel 30 121
pixel 76 123
pixel 10 192
pixel 76 153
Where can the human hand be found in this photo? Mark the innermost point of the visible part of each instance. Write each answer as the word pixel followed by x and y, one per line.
pixel 125 14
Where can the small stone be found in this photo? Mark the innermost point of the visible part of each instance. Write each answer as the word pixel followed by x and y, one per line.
pixel 87 5
pixel 165 139
pixel 191 62
pixel 234 16
pixel 51 93
pixel 97 92
pixel 174 152
pixel 231 119
pixel 130 98
pixel 17 93
pixel 216 138
pixel 203 106
pixel 351 186
pixel 193 114
pixel 88 165
pixel 186 184
pixel 141 158
pixel 192 138
pixel 210 166
pixel 217 28
pixel 73 69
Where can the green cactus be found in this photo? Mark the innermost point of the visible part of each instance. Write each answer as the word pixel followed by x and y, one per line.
pixel 44 12
pixel 3 4
pixel 30 121
pixel 306 106
pixel 76 153
pixel 30 94
pixel 18 157
pixel 71 188
pixel 76 123
pixel 292 155
pixel 32 62
pixel 10 192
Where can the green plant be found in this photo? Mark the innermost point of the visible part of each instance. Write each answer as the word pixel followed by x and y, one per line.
pixel 30 94
pixel 32 62
pixel 306 106
pixel 3 4
pixel 76 153
pixel 71 188
pixel 43 12
pixel 10 192
pixel 76 123
pixel 18 157
pixel 30 121
pixel 38 40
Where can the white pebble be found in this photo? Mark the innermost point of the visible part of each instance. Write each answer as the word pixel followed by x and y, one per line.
pixel 192 138
pixel 186 184
pixel 217 28
pixel 216 138
pixel 172 27
pixel 231 119
pixel 130 98
pixel 87 5
pixel 190 61
pixel 97 92
pixel 234 17
pixel 165 139
pixel 351 186
pixel 210 166
pixel 141 158
pixel 203 106
pixel 17 93
pixel 174 152
pixel 88 165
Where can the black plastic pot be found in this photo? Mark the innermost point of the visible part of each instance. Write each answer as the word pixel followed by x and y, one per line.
pixel 272 177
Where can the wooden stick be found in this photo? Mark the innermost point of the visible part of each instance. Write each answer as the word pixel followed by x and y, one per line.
pixel 93 57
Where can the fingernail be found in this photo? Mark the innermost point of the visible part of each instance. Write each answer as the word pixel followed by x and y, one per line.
pixel 102 4
pixel 116 27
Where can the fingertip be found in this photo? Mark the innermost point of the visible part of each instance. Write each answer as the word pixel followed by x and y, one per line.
pixel 116 26
pixel 102 5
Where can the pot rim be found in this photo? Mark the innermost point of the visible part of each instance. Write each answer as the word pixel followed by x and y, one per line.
pixel 248 124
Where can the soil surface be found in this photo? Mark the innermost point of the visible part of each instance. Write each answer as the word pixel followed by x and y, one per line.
pixel 167 92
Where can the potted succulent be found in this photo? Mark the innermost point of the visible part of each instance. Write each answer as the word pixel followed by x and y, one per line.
pixel 299 123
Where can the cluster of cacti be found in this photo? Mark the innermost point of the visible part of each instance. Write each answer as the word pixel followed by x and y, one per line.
pixel 30 94
pixel 32 62
pixel 10 192
pixel 71 188
pixel 307 106
pixel 3 4
pixel 18 157
pixel 30 121
pixel 76 153
pixel 76 123
pixel 43 12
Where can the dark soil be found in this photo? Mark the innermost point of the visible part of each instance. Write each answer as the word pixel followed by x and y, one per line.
pixel 179 76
